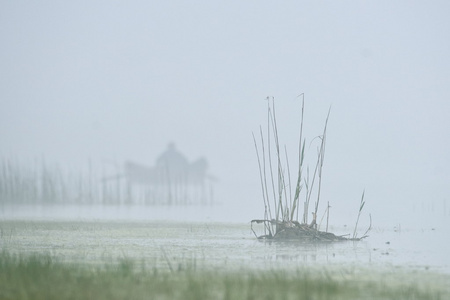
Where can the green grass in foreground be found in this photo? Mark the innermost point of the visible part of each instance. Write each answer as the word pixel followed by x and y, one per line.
pixel 39 277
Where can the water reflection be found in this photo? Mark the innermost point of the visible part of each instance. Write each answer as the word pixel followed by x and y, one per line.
pixel 300 253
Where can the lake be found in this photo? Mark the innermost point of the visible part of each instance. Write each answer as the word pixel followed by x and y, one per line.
pixel 173 242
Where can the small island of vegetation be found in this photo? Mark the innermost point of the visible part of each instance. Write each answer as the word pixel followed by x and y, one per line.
pixel 281 204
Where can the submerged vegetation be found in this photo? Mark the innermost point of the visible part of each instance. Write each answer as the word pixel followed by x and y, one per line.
pixel 281 209
pixel 39 276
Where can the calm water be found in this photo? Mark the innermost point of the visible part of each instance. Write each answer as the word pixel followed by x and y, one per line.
pixel 184 244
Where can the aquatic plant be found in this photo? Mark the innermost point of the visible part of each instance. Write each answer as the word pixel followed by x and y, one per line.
pixel 281 211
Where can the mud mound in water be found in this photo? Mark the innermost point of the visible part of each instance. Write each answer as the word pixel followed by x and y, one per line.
pixel 295 231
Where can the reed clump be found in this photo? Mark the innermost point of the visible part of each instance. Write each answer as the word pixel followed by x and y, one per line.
pixel 283 218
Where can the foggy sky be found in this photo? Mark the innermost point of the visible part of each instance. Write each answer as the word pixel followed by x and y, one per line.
pixel 119 80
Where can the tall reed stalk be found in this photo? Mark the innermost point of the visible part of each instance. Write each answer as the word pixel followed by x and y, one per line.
pixel 361 206
pixel 320 160
pixel 286 208
pixel 301 153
